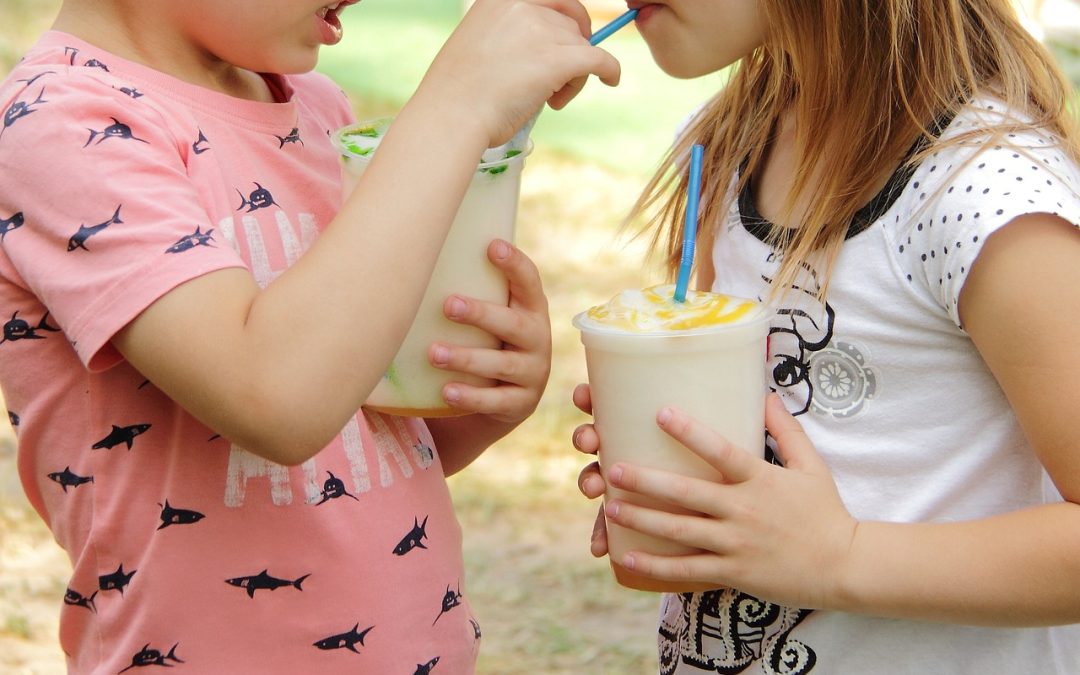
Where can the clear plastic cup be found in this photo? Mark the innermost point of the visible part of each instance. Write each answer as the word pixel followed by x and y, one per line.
pixel 714 373
pixel 411 385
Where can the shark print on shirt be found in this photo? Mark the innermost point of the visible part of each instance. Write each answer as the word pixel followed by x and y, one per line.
pixel 66 479
pixel 264 582
pixel 78 240
pixel 148 656
pixel 196 238
pixel 9 225
pixel 118 435
pixel 115 130
pixel 259 198
pixel 20 109
pixel 17 329
pixel 414 539
pixel 347 640
pixel 116 581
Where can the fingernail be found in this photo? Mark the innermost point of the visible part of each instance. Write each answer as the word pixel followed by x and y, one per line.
pixel 457 308
pixel 628 561
pixel 611 509
pixel 441 355
pixel 663 416
pixel 576 439
pixel 502 250
pixel 452 394
pixel 615 475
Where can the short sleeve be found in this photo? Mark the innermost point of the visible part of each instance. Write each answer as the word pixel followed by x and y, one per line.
pixel 110 221
pixel 961 195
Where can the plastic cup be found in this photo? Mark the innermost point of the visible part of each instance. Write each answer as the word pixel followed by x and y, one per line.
pixel 412 386
pixel 715 373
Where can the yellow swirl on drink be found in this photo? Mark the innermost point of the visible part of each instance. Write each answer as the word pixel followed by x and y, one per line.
pixel 655 309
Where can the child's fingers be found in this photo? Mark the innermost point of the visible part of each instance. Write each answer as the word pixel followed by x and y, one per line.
pixel 793 445
pixel 582 397
pixel 526 288
pixel 692 494
pixel 573 9
pixel 590 482
pixel 505 365
pixel 503 402
pixel 586 440
pixel 736 464
pixel 598 545
pixel 689 530
pixel 516 328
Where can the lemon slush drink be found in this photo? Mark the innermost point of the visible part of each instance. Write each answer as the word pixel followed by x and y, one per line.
pixel 644 351
pixel 411 385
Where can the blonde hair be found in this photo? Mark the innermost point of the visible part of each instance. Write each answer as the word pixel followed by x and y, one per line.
pixel 866 79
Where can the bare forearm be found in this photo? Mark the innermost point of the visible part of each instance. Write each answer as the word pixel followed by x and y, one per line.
pixel 1017 569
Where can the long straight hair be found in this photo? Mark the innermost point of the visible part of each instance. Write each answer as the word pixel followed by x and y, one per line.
pixel 866 80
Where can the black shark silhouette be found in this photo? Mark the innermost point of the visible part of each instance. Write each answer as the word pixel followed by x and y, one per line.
pixel 68 479
pixel 11 224
pixel 116 581
pixel 118 435
pixel 131 91
pixel 17 329
pixel 333 488
pixel 30 81
pixel 13 418
pixel 76 599
pixel 425 452
pixel 450 600
pixel 293 137
pixel 264 582
pixel 201 145
pixel 94 63
pixel 475 629
pixel 196 238
pixel 152 657
pixel 426 668
pixel 172 516
pixel 414 539
pixel 78 240
pixel 20 109
pixel 347 640
pixel 260 198
pixel 115 130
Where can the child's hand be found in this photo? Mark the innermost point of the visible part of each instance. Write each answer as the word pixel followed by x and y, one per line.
pixel 590 482
pixel 780 533
pixel 522 366
pixel 507 57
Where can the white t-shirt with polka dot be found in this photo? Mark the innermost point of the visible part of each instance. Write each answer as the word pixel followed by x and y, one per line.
pixel 897 400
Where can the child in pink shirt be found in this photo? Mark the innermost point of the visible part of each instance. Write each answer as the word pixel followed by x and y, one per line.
pixel 193 318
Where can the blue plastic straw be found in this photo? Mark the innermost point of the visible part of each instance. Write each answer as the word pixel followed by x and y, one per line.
pixel 609 30
pixel 693 197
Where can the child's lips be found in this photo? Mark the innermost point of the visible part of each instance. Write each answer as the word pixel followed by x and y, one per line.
pixel 330 30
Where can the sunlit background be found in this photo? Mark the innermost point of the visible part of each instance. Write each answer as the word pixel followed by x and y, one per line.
pixel 546 606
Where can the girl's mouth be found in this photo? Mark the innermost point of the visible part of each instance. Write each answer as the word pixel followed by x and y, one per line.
pixel 330 21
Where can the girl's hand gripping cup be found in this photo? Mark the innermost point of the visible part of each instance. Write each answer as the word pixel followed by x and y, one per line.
pixel 644 350
pixel 411 386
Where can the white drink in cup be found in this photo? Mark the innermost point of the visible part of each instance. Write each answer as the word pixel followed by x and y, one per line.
pixel 644 351
pixel 411 385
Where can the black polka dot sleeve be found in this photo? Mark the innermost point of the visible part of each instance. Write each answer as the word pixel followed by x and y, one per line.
pixel 960 195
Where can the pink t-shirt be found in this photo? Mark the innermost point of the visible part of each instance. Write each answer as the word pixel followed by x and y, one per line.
pixel 119 183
